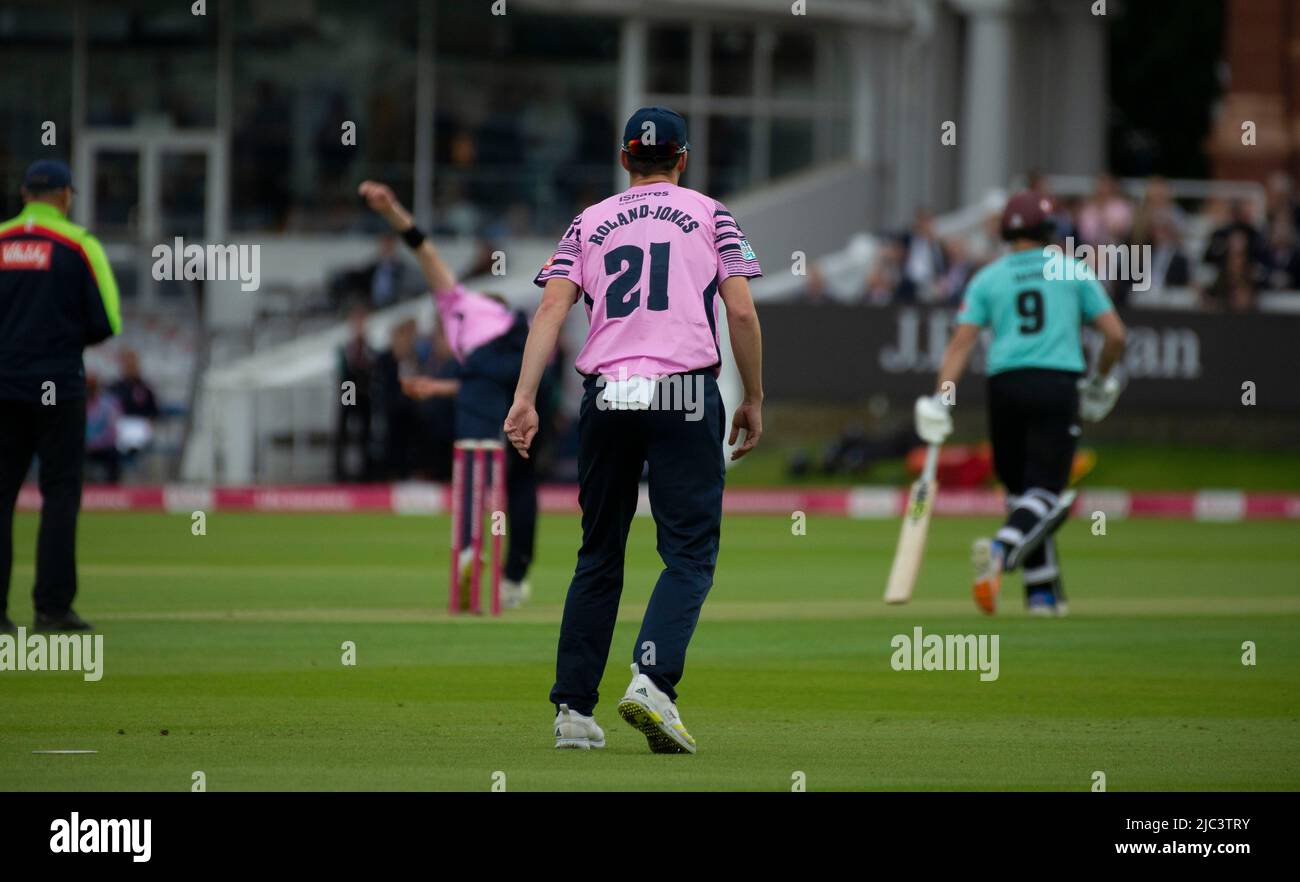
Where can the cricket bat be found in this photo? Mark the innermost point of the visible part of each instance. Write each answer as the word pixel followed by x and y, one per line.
pixel 916 523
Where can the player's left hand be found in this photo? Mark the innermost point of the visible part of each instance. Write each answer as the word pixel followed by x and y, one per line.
pixel 521 426
pixel 749 419
pixel 1097 397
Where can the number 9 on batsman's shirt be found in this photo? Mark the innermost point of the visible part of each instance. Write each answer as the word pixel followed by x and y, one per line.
pixel 648 263
pixel 1036 318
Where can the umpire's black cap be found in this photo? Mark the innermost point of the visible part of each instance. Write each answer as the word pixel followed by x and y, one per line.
pixel 44 175
pixel 655 131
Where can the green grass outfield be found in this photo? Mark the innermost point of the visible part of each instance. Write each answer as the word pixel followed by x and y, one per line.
pixel 230 643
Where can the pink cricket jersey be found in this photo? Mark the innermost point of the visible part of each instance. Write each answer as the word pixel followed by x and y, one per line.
pixel 648 263
pixel 470 319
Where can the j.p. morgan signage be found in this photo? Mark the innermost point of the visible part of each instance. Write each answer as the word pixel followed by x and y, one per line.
pixel 1174 360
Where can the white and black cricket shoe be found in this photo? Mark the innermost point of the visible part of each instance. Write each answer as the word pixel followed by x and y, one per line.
pixel 652 713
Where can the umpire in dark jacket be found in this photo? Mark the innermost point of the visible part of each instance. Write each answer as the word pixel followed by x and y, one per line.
pixel 57 296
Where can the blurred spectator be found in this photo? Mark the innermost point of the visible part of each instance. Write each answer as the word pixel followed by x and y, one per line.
pixel 103 462
pixel 1158 205
pixel 923 259
pixel 135 429
pixel 1234 221
pixel 381 283
pixel 886 273
pixel 398 415
pixel 1243 253
pixel 984 242
pixel 959 268
pixel 385 274
pixel 1065 210
pixel 1281 201
pixel 1107 216
pixel 1170 267
pixel 459 216
pixel 356 364
pixel 1234 289
pixel 814 286
pixel 1282 262
pixel 132 392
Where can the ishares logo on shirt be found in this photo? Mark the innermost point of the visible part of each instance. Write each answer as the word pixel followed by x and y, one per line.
pixel 640 194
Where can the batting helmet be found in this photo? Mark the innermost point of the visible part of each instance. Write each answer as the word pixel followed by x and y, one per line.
pixel 1028 215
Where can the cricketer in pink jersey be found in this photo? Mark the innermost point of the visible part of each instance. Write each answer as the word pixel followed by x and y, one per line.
pixel 486 338
pixel 649 265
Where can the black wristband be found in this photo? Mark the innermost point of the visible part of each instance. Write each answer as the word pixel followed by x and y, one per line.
pixel 413 236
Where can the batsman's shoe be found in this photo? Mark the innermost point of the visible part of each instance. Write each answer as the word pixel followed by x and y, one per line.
pixel 1047 602
pixel 652 713
pixel 573 731
pixel 515 594
pixel 1041 603
pixel 987 562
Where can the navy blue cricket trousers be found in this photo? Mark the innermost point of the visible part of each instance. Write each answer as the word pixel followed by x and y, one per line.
pixel 686 474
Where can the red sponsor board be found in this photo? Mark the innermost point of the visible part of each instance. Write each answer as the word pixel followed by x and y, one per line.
pixel 858 502
pixel 1283 506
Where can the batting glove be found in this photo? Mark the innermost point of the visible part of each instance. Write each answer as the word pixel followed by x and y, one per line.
pixel 933 419
pixel 1097 397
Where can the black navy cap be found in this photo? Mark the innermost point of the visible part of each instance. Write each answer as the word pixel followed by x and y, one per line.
pixel 47 174
pixel 655 131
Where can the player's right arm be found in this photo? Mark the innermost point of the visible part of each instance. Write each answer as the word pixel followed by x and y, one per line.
pixel 933 413
pixel 382 201
pixel 521 423
pixel 957 356
pixel 973 316
pixel 747 347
